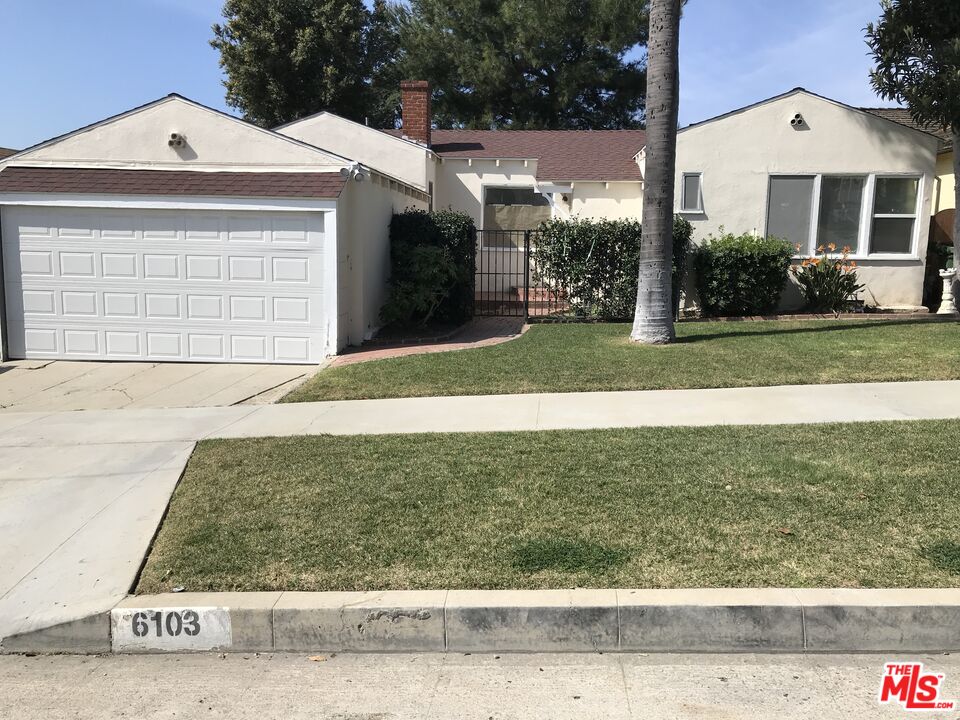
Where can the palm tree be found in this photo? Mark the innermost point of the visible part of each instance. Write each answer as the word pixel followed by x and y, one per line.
pixel 653 317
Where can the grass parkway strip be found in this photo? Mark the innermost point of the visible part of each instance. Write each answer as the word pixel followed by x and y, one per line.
pixel 587 357
pixel 842 505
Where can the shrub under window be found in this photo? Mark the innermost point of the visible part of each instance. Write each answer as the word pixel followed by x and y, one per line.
pixel 741 274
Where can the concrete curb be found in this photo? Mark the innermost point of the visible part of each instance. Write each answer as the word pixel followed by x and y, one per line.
pixel 706 621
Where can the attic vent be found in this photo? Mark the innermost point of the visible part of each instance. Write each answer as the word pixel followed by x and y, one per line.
pixel 797 121
pixel 177 140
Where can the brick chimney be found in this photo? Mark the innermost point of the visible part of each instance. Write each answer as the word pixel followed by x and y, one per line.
pixel 415 105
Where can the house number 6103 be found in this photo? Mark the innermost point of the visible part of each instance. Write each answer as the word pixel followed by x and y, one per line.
pixel 171 624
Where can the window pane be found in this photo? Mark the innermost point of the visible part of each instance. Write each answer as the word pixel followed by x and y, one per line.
pixel 691 192
pixel 840 202
pixel 892 235
pixel 790 203
pixel 896 196
pixel 513 209
pixel 515 196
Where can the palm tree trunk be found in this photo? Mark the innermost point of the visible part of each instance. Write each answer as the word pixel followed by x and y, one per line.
pixel 653 317
pixel 956 195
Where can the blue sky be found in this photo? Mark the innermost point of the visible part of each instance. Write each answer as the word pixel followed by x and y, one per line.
pixel 67 63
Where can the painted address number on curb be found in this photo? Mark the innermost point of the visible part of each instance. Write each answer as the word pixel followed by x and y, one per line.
pixel 170 629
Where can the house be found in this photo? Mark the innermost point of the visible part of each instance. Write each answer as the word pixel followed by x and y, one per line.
pixel 176 232
pixel 505 179
pixel 815 171
pixel 179 233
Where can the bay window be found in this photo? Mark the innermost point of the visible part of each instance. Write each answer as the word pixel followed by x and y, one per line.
pixel 870 214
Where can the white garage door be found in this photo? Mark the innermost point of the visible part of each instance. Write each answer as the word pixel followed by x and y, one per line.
pixel 170 285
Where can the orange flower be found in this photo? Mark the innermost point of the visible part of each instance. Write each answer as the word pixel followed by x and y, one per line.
pixel 819 248
pixel 832 246
pixel 853 263
pixel 797 246
pixel 815 261
pixel 846 250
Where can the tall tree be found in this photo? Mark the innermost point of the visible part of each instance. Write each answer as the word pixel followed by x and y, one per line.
pixel 653 317
pixel 382 50
pixel 916 46
pixel 286 59
pixel 528 63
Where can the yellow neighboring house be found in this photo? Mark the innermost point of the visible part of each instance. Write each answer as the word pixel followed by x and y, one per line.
pixel 944 199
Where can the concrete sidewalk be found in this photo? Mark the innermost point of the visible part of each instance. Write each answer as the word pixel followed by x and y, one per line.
pixel 489 413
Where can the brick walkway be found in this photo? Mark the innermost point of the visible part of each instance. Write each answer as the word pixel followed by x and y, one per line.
pixel 479 333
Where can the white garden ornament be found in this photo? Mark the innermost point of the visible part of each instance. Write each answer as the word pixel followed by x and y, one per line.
pixel 947 306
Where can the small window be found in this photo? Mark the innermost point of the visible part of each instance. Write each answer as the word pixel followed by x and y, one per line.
pixel 894 214
pixel 789 212
pixel 691 195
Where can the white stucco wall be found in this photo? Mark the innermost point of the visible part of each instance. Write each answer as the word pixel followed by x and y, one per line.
pixel 613 201
pixel 737 154
pixel 215 141
pixel 365 210
pixel 393 156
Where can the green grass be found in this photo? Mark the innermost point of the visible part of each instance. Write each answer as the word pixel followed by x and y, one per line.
pixel 569 358
pixel 858 505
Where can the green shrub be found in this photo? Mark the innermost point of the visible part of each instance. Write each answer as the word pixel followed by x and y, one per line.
pixel 828 283
pixel 682 238
pixel 432 259
pixel 741 274
pixel 593 264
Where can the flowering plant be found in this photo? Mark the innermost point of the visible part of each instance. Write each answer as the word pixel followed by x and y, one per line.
pixel 829 283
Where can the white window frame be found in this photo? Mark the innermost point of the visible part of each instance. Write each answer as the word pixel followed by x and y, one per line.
pixel 915 216
pixel 866 214
pixel 698 210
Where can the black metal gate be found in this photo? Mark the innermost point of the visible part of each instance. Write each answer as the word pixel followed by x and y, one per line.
pixel 507 283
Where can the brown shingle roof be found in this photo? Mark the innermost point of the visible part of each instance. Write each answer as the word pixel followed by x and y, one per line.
pixel 7 152
pixel 171 182
pixel 903 117
pixel 562 155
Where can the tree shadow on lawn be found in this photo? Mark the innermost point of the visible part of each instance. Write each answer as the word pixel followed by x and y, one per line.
pixel 944 555
pixel 835 327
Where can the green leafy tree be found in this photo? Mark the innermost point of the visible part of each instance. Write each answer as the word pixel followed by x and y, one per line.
pixel 653 317
pixel 286 59
pixel 528 64
pixel 382 50
pixel 916 47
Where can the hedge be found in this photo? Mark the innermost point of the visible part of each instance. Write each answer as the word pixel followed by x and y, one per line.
pixel 432 260
pixel 741 274
pixel 593 264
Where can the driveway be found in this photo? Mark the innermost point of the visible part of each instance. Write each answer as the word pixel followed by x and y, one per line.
pixel 78 510
pixel 81 496
pixel 46 385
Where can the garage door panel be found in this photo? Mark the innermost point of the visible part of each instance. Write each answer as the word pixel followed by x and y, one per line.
pixel 210 291
pixel 165 344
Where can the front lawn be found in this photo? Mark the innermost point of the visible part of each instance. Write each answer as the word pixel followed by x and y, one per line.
pixel 857 505
pixel 569 358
